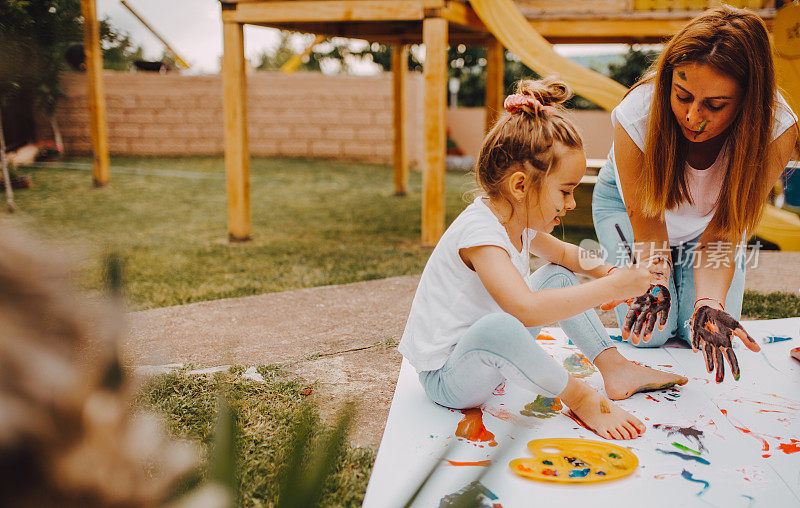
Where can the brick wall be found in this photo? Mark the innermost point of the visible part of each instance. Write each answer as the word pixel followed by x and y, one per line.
pixel 302 114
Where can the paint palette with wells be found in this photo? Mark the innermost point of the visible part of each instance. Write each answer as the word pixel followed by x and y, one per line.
pixel 574 461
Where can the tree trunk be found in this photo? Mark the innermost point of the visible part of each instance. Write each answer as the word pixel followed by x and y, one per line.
pixel 6 178
pixel 59 141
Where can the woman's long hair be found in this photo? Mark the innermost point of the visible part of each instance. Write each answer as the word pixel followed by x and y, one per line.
pixel 734 42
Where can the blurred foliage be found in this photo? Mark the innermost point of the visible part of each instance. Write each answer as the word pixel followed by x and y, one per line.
pixel 633 67
pixel 467 64
pixel 34 37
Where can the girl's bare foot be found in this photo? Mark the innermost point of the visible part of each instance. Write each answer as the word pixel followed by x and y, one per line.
pixel 623 378
pixel 600 415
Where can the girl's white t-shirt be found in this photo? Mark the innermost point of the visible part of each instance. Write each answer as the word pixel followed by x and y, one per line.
pixel 450 296
pixel 686 221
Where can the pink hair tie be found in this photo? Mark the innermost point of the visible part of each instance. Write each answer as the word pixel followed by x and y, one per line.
pixel 515 102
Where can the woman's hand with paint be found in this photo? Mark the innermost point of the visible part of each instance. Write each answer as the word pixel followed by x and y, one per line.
pixel 643 313
pixel 712 331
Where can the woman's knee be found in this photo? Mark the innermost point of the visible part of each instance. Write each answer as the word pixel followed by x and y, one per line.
pixel 552 275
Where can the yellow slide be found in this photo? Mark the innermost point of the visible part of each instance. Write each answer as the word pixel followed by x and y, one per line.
pixel 515 33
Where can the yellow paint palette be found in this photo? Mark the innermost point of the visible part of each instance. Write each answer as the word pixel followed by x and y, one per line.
pixel 575 461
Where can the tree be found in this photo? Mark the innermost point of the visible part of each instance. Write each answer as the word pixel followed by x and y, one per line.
pixel 34 38
pixel 631 69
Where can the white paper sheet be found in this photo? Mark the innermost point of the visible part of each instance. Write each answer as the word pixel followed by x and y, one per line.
pixel 419 432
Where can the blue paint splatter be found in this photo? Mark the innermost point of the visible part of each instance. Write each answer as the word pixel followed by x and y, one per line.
pixel 579 473
pixel 776 338
pixel 617 338
pixel 751 498
pixel 600 473
pixel 686 474
pixel 684 456
pixel 547 463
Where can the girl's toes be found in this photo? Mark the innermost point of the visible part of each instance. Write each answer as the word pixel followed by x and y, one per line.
pixel 615 434
pixel 626 432
pixel 639 426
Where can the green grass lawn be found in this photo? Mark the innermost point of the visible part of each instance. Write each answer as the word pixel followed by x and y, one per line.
pixel 314 223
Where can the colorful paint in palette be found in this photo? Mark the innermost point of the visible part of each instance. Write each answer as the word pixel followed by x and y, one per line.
pixel 574 461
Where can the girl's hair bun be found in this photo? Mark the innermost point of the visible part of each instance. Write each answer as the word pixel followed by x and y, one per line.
pixel 549 91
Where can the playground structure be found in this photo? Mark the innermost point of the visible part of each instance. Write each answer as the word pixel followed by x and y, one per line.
pixel 526 27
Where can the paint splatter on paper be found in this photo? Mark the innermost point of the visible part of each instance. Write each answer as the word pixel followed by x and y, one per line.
pixel 578 365
pixel 542 407
pixel 471 427
pixel 689 476
pixel 689 433
pixel 684 456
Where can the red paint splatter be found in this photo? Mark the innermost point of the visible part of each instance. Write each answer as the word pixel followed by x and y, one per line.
pixel 792 447
pixel 502 414
pixel 576 419
pixel 500 390
pixel 476 463
pixel 651 398
pixel 471 427
pixel 765 444
pixel 549 472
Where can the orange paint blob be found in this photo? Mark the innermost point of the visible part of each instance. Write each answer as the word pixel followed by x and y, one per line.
pixel 476 463
pixel 544 336
pixel 471 427
pixel 711 327
pixel 792 447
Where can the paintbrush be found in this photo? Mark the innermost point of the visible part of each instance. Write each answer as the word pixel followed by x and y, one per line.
pixel 625 243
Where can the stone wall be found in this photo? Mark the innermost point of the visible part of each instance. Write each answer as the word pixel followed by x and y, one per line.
pixel 299 115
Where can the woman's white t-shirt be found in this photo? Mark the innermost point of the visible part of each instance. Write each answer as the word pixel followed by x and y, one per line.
pixel 450 296
pixel 686 221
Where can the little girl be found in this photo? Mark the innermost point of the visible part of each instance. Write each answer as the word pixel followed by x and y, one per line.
pixel 478 309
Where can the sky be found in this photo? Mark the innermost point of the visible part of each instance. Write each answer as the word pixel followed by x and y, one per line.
pixel 194 30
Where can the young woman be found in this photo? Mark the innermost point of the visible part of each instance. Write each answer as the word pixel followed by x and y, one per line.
pixel 698 144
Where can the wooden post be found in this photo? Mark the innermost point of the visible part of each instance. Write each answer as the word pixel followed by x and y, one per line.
pixel 399 69
pixel 434 36
pixel 495 69
pixel 237 155
pixel 97 99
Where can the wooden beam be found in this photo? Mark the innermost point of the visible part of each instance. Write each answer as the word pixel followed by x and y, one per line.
pixel 461 14
pixel 97 100
pixel 315 10
pixel 434 36
pixel 237 155
pixel 399 70
pixel 495 91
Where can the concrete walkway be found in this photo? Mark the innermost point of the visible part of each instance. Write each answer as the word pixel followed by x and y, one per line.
pixel 342 337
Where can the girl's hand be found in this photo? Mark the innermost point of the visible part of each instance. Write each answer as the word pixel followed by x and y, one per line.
pixel 712 331
pixel 628 282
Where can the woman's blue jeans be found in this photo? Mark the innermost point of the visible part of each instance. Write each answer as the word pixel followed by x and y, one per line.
pixel 608 209
pixel 499 347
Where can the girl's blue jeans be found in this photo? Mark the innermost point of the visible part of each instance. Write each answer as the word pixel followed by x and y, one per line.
pixel 499 347
pixel 608 209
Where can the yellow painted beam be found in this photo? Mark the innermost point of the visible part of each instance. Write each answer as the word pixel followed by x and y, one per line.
pixel 495 64
pixel 515 33
pixel 97 100
pixel 321 11
pixel 237 155
pixel 434 36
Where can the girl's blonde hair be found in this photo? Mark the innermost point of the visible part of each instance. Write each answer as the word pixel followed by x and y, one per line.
pixel 734 42
pixel 524 140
